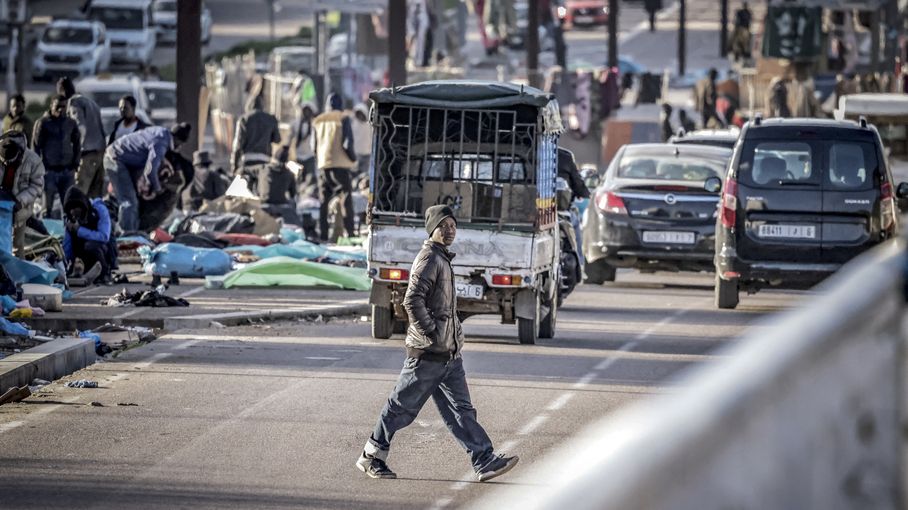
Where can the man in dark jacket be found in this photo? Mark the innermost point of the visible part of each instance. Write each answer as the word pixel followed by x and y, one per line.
pixel 207 183
pixel 128 122
pixel 16 120
pixel 434 366
pixel 652 7
pixel 255 132
pixel 133 163
pixel 335 155
pixel 88 233
pixel 56 139
pixel 277 187
pixel 87 114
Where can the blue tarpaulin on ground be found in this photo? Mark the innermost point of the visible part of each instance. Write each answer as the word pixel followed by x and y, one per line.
pixel 22 271
pixel 6 225
pixel 302 249
pixel 185 260
pixel 54 227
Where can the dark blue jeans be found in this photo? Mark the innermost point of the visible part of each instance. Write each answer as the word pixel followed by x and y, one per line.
pixel 56 184
pixel 446 383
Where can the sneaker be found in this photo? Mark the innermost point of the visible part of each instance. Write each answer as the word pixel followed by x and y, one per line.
pixel 496 467
pixel 375 468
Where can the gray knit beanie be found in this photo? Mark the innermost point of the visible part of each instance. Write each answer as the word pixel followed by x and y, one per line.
pixel 435 215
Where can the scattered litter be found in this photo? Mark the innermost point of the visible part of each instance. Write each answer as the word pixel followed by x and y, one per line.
pixel 153 298
pixel 39 382
pixel 127 404
pixel 82 383
pixel 95 404
pixel 15 394
pixel 22 271
pixel 216 324
pixel 21 313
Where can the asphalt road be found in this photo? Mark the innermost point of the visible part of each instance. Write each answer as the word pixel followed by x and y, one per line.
pixel 275 416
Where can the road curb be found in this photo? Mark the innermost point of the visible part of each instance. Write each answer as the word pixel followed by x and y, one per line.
pixel 242 318
pixel 50 361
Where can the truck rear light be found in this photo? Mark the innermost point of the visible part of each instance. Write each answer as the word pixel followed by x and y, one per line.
pixel 506 280
pixel 607 201
pixel 397 275
pixel 887 208
pixel 729 203
pixel 730 275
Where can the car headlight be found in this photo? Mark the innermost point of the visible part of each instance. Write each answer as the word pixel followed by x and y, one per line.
pixel 562 11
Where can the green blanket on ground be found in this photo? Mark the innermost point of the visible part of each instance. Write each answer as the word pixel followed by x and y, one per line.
pixel 289 272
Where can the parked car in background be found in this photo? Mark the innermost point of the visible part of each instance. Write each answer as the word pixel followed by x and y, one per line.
pixel 71 48
pixel 162 100
pixel 291 60
pixel 655 210
pixel 130 28
pixel 576 13
pixel 107 91
pixel 802 198
pixel 165 18
pixel 715 137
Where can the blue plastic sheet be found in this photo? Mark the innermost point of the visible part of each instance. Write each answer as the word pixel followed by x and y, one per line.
pixel 94 336
pixel 12 328
pixel 8 304
pixel 6 225
pixel 185 260
pixel 54 227
pixel 21 271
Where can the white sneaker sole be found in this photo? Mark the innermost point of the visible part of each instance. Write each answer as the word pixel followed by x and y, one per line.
pixel 485 477
pixel 370 475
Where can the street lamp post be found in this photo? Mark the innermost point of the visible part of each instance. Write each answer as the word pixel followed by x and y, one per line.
pixel 613 33
pixel 682 37
pixel 397 42
pixel 189 70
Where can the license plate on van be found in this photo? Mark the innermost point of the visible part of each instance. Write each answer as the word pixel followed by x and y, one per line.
pixel 467 291
pixel 669 237
pixel 787 231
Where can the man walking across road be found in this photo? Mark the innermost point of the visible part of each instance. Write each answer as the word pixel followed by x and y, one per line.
pixel 90 176
pixel 15 119
pixel 334 149
pixel 57 141
pixel 434 367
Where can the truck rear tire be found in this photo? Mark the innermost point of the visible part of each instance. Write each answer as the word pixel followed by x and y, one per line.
pixel 528 329
pixel 599 272
pixel 726 293
pixel 547 324
pixel 382 322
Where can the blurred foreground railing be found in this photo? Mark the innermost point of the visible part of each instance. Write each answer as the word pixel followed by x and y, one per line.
pixel 806 412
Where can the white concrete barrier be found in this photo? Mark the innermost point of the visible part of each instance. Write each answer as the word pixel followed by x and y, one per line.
pixel 806 412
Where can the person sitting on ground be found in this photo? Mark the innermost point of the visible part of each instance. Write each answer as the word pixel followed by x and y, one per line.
pixel 22 177
pixel 16 120
pixel 87 236
pixel 56 139
pixel 128 121
pixel 277 187
pixel 207 184
pixel 133 163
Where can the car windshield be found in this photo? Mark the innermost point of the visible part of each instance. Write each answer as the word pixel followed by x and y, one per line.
pixel 159 97
pixel 119 18
pixel 107 98
pixel 669 167
pixel 165 6
pixel 68 35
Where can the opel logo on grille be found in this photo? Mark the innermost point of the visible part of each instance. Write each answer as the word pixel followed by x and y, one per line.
pixel 670 199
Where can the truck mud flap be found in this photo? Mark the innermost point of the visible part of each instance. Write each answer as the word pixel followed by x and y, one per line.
pixel 525 304
pixel 380 295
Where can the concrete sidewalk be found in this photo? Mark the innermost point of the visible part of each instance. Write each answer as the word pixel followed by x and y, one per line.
pixel 227 307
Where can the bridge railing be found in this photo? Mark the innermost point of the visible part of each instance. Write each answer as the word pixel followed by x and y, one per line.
pixel 807 411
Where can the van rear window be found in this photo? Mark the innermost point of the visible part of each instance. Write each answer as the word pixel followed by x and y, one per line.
pixel 832 164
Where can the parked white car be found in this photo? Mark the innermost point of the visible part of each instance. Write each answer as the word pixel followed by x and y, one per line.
pixel 291 60
pixel 71 48
pixel 130 28
pixel 165 18
pixel 162 99
pixel 107 91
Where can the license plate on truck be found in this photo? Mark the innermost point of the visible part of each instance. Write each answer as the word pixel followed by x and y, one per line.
pixel 467 291
pixel 787 231
pixel 669 237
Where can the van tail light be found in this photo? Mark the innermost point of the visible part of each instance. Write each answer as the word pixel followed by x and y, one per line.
pixel 607 201
pixel 729 203
pixel 887 208
pixel 397 275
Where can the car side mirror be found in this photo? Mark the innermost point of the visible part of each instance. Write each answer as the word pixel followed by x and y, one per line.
pixel 902 190
pixel 713 185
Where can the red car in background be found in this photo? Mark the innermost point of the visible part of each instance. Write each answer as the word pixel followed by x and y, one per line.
pixel 576 13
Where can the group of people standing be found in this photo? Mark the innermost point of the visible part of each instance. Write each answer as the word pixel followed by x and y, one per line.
pixel 67 158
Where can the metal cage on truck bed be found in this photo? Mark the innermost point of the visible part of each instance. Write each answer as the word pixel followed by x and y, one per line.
pixel 489 150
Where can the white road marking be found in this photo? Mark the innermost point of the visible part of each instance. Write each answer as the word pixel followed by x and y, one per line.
pixel 152 360
pixel 323 358
pixel 534 424
pixel 10 426
pixel 6 427
pixel 185 345
pixel 583 381
pixel 607 362
pixel 560 402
